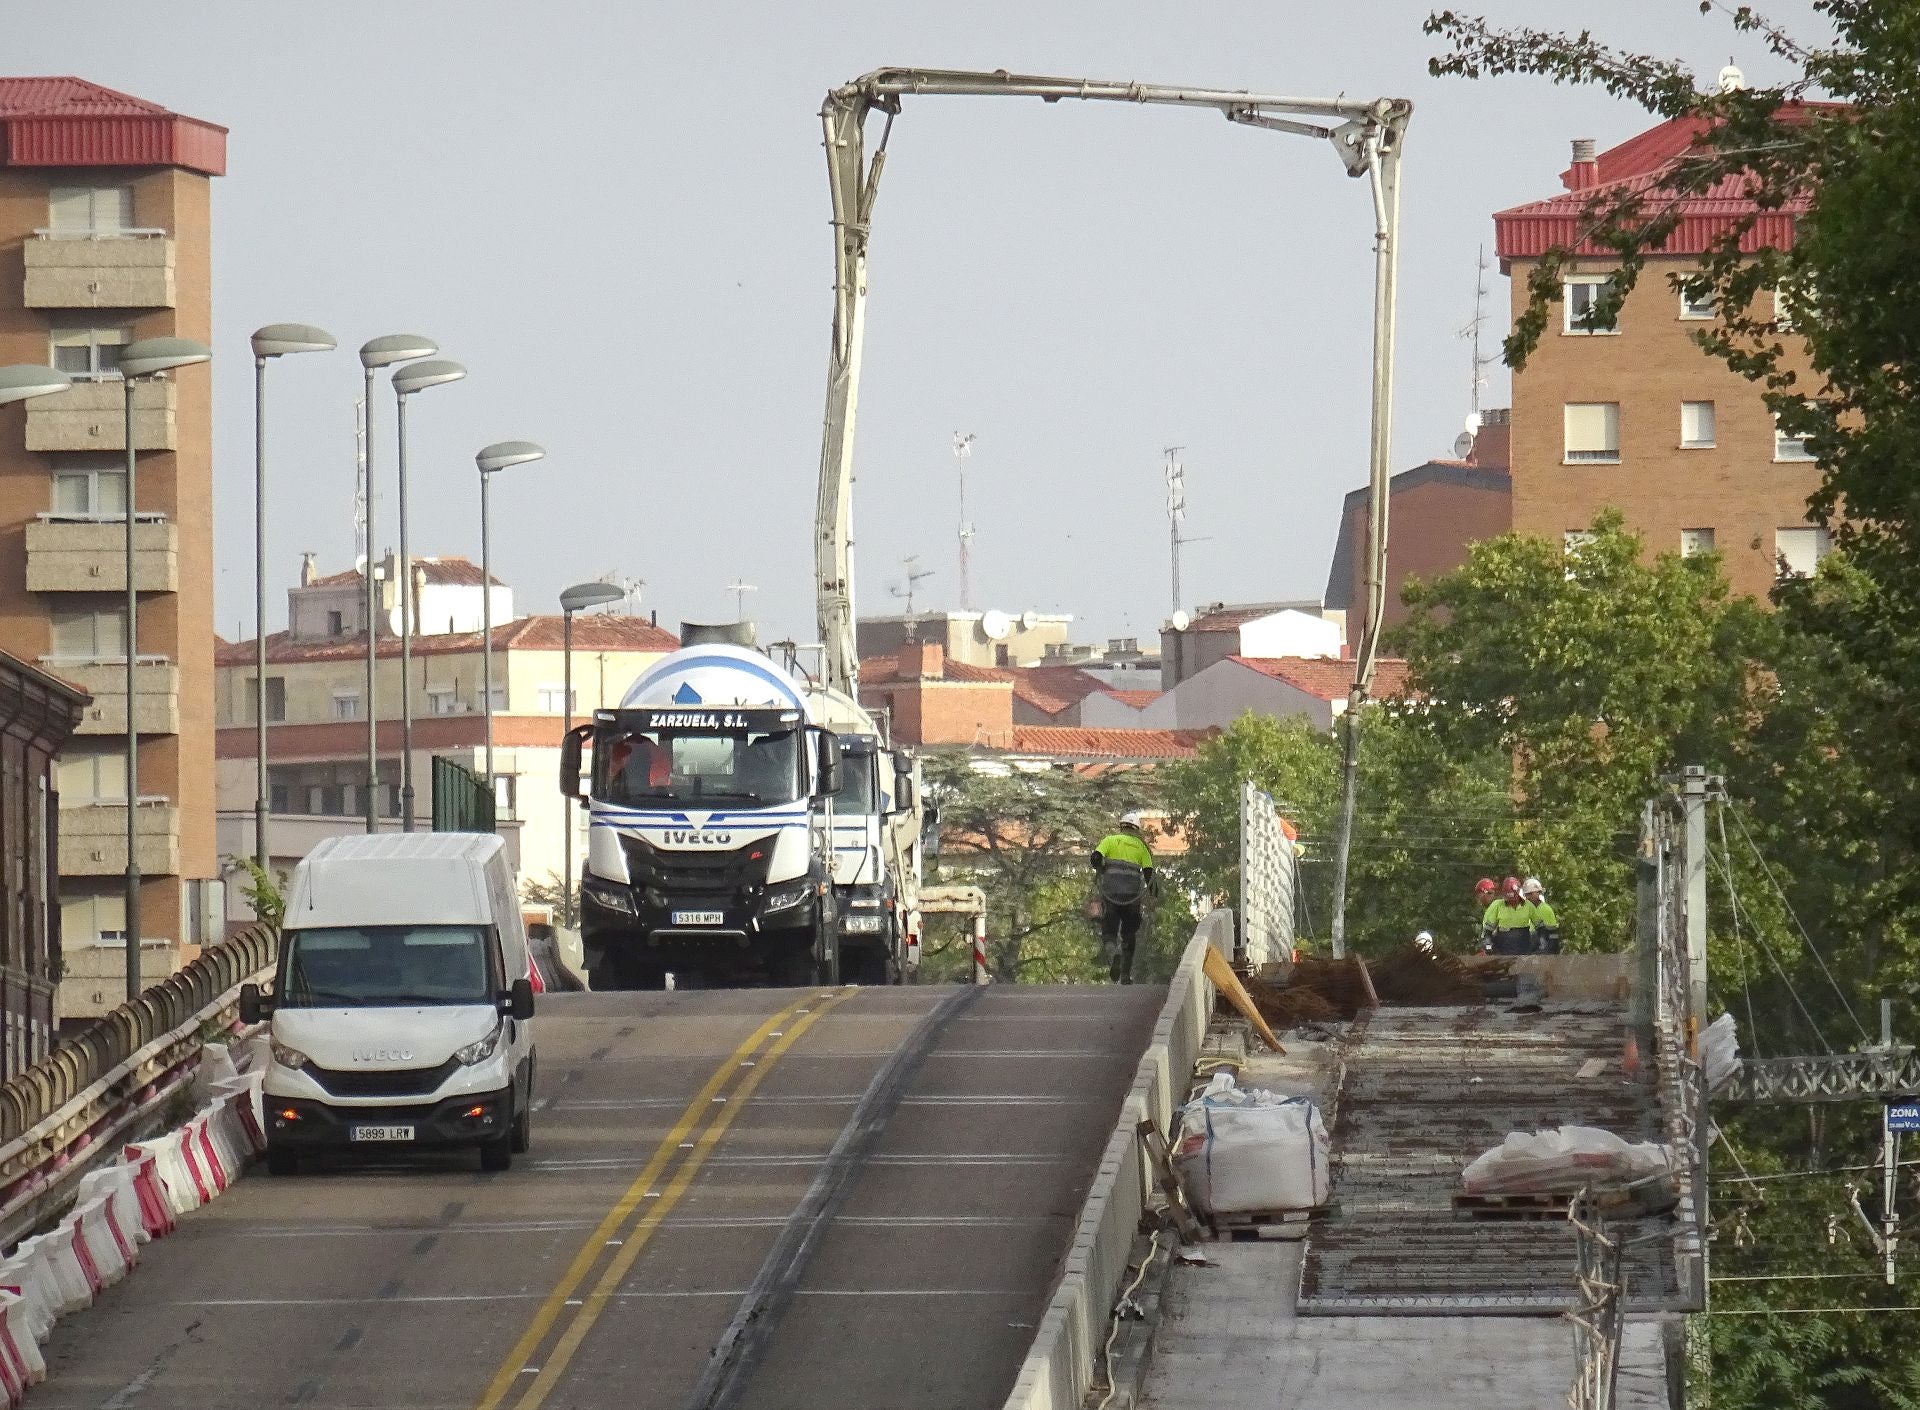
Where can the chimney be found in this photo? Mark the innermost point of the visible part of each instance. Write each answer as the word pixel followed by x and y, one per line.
pixel 1585 171
pixel 922 660
pixel 309 569
pixel 1492 444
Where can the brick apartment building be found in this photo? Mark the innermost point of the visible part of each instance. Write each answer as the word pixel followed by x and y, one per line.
pixel 1636 416
pixel 103 241
pixel 1435 512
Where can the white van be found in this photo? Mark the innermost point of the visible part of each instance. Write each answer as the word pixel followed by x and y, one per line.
pixel 401 1007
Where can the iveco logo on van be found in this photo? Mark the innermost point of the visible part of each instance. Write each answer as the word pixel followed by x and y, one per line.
pixel 383 1054
pixel 697 839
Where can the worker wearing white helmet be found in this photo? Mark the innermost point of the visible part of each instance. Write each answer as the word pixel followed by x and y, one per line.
pixel 1546 925
pixel 1423 942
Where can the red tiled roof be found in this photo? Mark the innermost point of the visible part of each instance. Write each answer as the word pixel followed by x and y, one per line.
pixel 1328 677
pixel 1639 164
pixel 1231 619
pixel 1053 688
pixel 881 670
pixel 597 632
pixel 450 571
pixel 1135 699
pixel 67 121
pixel 1109 743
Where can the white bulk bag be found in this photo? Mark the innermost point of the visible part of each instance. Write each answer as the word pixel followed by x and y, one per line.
pixel 1561 1162
pixel 1247 1151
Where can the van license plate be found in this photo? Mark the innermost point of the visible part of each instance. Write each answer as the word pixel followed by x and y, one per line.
pixel 699 917
pixel 382 1133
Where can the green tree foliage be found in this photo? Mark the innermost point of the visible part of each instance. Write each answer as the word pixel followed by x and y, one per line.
pixel 1024 837
pixel 263 891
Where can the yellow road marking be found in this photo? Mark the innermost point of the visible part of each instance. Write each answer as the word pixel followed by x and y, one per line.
pixel 616 1270
pixel 704 1107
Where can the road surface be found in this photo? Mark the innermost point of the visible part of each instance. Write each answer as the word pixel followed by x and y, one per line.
pixel 859 1197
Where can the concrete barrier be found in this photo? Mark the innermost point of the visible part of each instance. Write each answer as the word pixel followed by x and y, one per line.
pixel 1059 1367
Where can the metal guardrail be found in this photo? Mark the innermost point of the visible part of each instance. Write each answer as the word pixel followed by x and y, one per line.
pixel 92 1087
pixel 1266 881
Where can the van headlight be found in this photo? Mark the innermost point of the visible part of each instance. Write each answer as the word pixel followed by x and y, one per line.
pixel 480 1051
pixel 290 1058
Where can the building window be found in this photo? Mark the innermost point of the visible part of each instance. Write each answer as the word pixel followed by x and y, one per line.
pixel 336 624
pixel 504 794
pixel 90 487
pixel 276 699
pixel 1787 447
pixel 1697 306
pixel 93 920
pixel 1694 542
pixel 1696 425
pixel 1582 292
pixel 83 634
pixel 89 354
pixel 499 700
pixel 346 704
pixel 1593 432
pixel 279 797
pixel 553 700
pixel 87 777
pixel 77 211
pixel 440 700
pixel 1797 552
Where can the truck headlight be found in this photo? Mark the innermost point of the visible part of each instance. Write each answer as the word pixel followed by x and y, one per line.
pixel 481 1050
pixel 788 897
pixel 613 897
pixel 291 1058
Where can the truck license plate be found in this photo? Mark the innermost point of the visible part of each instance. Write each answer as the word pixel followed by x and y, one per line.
pixel 863 925
pixel 699 918
pixel 382 1133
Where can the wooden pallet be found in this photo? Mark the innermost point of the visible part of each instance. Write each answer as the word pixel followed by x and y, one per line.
pixel 1248 1224
pixel 1510 1206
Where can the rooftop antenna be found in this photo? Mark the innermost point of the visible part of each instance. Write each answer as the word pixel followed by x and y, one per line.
pixel 962 448
pixel 1481 362
pixel 740 590
pixel 1177 513
pixel 915 575
pixel 629 588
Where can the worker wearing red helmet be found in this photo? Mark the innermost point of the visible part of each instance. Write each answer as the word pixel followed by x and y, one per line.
pixel 1507 927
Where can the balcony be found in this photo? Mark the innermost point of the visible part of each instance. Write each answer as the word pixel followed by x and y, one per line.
pixel 156 694
pixel 90 555
pixel 133 269
pixel 93 839
pixel 89 416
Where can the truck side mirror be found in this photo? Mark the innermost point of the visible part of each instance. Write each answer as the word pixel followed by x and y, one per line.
pixel 255 1007
pixel 517 1002
pixel 903 799
pixel 570 746
pixel 829 751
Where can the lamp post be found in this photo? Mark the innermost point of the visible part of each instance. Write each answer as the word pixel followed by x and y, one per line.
pixel 572 600
pixel 139 361
pixel 414 377
pixel 497 456
pixel 275 340
pixel 374 355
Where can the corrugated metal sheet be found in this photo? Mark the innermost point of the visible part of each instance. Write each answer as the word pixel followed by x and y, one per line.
pixel 49 97
pixel 116 141
pixel 1529 236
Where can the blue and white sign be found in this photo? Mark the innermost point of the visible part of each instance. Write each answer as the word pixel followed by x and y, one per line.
pixel 1903 1116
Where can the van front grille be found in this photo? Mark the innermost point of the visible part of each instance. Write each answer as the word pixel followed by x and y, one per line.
pixel 403 1082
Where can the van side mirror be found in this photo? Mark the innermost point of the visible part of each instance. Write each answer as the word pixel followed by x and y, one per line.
pixel 828 745
pixel 570 746
pixel 255 1007
pixel 517 1002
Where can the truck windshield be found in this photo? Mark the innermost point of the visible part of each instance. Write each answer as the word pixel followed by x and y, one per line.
pixel 643 766
pixel 858 797
pixel 384 966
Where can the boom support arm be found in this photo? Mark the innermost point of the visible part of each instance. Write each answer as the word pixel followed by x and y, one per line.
pixel 1367 136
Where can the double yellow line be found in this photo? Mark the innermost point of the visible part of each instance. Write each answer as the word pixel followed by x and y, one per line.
pixel 693 1137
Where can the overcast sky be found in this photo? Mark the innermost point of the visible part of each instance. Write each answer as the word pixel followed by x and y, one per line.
pixel 615 214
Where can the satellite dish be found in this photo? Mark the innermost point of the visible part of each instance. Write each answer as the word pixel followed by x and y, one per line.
pixel 995 624
pixel 1180 620
pixel 1029 619
pixel 1462 445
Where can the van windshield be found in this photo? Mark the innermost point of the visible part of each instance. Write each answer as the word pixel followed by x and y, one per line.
pixel 384 966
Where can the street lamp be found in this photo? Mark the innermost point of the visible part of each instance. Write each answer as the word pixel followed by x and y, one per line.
pixel 497 456
pixel 275 340
pixel 378 353
pixel 414 377
pixel 575 598
pixel 139 361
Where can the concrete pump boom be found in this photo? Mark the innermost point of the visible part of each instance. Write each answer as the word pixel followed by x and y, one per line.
pixel 1366 135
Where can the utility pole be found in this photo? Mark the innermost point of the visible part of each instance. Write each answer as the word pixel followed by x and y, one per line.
pixel 1694 789
pixel 962 448
pixel 1176 513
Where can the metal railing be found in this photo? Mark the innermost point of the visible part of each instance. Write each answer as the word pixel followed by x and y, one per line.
pixel 97 1085
pixel 1267 877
